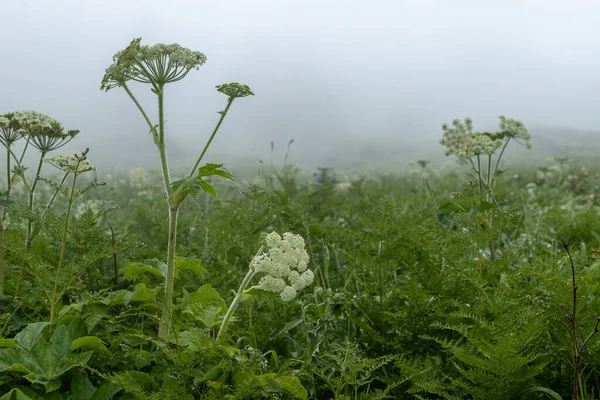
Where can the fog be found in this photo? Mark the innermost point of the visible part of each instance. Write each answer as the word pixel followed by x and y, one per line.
pixel 349 81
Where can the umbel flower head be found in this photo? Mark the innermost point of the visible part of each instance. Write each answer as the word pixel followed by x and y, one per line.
pixel 285 265
pixel 234 90
pixel 14 125
pixel 462 141
pixel 74 164
pixel 511 128
pixel 49 137
pixel 158 65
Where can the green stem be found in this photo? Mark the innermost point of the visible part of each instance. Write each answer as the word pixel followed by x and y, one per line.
pixel 500 157
pixel 2 262
pixel 8 178
pixel 480 177
pixel 62 253
pixel 162 148
pixel 223 114
pixel 139 106
pixel 31 199
pixel 33 234
pixel 165 324
pixel 235 302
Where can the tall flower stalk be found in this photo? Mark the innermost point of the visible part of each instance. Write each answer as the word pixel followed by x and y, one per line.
pixel 284 266
pixel 46 135
pixel 158 66
pixel 479 148
pixel 75 166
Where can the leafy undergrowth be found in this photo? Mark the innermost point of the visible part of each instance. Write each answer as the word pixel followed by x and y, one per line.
pixel 407 300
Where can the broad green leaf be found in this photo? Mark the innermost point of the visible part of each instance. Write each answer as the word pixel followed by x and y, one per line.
pixel 106 391
pixel 141 293
pixel 293 386
pixel 91 342
pixel 81 385
pixel 15 394
pixel 153 267
pixel 8 343
pixel 44 362
pixel 205 295
pixel 213 169
pixel 29 336
pixel 191 264
pixel 208 188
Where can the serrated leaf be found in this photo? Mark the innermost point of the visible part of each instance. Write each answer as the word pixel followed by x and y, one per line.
pixel 190 264
pixel 208 188
pixel 154 267
pixel 206 294
pixel 213 169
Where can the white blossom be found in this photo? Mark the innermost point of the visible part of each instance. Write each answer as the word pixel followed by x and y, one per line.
pixel 285 265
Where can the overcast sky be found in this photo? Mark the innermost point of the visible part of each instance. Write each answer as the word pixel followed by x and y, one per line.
pixel 327 73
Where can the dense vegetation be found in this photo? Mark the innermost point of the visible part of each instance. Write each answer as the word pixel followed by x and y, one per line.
pixel 475 283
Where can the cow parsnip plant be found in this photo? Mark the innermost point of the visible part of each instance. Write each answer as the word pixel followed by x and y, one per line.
pixel 158 66
pixel 38 131
pixel 462 141
pixel 284 265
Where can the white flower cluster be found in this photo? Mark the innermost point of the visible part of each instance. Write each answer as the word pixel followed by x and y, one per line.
pixel 515 129
pixel 478 144
pixel 31 117
pixel 73 164
pixel 461 140
pixel 4 122
pixel 285 264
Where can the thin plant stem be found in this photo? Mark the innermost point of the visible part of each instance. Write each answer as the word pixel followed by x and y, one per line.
pixel 31 200
pixel 235 302
pixel 63 247
pixel 223 114
pixel 479 174
pixel 500 158
pixel 139 106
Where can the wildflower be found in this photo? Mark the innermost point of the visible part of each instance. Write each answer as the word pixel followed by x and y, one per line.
pixel 511 128
pixel 16 124
pixel 49 137
pixel 158 65
pixel 477 144
pixel 234 90
pixel 73 164
pixel 455 135
pixel 285 265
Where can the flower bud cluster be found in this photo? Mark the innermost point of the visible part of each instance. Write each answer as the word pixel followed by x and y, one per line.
pixel 285 265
